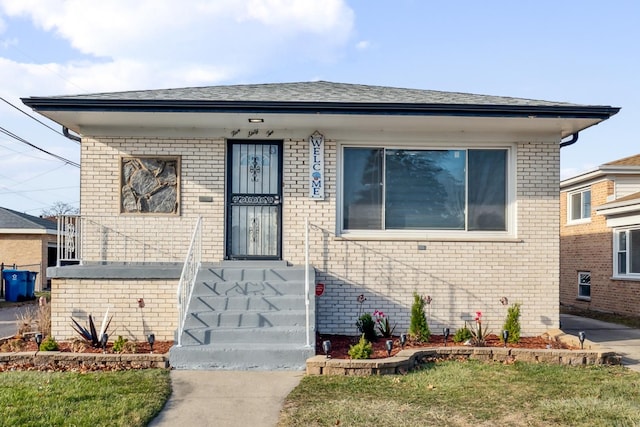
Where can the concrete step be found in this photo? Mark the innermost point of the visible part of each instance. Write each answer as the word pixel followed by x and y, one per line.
pixel 251 303
pixel 262 335
pixel 241 357
pixel 245 319
pixel 248 288
pixel 244 274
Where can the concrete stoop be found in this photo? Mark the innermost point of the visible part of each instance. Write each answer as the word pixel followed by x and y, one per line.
pixel 245 317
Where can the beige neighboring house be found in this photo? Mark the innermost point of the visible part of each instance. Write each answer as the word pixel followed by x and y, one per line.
pixel 600 238
pixel 29 243
pixel 270 208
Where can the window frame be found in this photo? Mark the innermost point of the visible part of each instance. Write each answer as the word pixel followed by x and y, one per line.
pixel 584 217
pixel 626 275
pixel 435 234
pixel 581 284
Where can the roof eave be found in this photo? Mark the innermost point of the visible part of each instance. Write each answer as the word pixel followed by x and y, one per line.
pixel 304 107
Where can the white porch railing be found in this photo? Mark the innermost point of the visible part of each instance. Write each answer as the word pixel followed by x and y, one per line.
pixel 122 239
pixel 190 269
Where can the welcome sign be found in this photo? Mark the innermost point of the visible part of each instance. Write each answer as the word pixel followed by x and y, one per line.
pixel 316 166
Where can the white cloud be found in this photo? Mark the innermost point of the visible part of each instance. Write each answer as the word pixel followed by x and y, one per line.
pixel 161 43
pixel 363 45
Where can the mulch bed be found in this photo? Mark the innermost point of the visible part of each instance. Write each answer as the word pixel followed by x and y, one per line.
pixel 159 347
pixel 340 344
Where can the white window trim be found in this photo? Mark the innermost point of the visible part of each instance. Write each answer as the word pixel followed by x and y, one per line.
pixel 584 220
pixel 509 235
pixel 616 275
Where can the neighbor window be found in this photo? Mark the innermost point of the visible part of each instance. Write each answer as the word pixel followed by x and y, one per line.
pixel 579 205
pixel 584 284
pixel 149 185
pixel 626 246
pixel 419 189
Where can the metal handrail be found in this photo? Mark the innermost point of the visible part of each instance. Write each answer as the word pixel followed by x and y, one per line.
pixel 307 264
pixel 190 269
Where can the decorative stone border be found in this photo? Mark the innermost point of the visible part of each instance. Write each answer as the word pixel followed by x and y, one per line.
pixel 407 360
pixel 73 360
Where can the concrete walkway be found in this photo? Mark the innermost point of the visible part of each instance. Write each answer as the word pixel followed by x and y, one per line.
pixel 226 398
pixel 623 340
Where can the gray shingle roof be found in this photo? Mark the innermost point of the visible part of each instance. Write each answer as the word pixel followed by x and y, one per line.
pixel 11 219
pixel 319 91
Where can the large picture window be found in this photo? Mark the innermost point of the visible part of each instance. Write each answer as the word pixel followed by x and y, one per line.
pixel 626 246
pixel 416 189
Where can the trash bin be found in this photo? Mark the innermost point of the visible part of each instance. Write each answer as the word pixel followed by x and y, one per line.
pixel 17 285
pixel 31 285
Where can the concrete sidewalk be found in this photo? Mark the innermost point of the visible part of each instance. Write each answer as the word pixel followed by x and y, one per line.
pixel 226 398
pixel 621 339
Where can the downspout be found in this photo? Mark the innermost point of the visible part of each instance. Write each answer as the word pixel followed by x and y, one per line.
pixel 573 140
pixel 65 131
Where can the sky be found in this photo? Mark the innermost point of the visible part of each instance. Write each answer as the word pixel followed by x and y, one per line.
pixel 578 51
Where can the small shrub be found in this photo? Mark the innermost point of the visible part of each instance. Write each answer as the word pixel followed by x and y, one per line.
pixel 13 345
pixel 418 328
pixel 512 324
pixel 79 346
pixel 362 350
pixel 367 326
pixel 25 320
pixel 43 317
pixel 463 334
pixel 130 347
pixel 118 345
pixel 49 344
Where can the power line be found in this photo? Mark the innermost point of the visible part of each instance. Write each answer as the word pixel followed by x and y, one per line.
pixel 24 141
pixel 33 118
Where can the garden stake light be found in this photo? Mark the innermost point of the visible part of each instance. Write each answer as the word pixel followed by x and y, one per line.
pixel 403 340
pixel 389 346
pixel 581 337
pixel 38 338
pixel 103 342
pixel 151 338
pixel 326 347
pixel 505 336
pixel 445 332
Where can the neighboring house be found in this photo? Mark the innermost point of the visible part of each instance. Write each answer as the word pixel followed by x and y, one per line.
pixel 600 238
pixel 29 243
pixel 450 195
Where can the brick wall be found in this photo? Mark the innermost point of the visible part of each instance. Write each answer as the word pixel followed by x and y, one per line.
pixel 589 247
pixel 77 298
pixel 461 277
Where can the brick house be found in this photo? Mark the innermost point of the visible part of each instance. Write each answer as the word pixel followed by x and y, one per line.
pixel 380 191
pixel 28 242
pixel 600 238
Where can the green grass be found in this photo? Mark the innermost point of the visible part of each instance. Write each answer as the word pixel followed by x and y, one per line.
pixel 123 398
pixel 470 394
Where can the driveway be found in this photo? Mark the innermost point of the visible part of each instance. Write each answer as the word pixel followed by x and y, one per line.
pixel 621 339
pixel 8 320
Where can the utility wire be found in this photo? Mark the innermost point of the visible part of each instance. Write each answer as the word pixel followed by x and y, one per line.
pixel 33 118
pixel 24 141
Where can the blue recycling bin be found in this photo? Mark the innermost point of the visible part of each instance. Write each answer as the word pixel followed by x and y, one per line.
pixel 19 285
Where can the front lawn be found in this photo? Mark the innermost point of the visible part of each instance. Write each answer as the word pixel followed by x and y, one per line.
pixel 470 393
pixel 123 398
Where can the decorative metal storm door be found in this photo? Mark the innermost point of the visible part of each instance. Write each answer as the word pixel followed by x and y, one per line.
pixel 254 191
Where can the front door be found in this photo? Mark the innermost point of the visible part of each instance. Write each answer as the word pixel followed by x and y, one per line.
pixel 254 192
